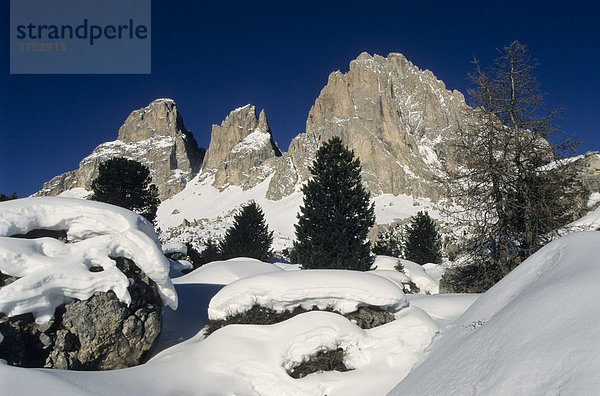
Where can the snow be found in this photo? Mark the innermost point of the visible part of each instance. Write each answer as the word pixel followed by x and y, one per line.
pixel 226 272
pixel 343 291
pixel 535 332
pixel 52 272
pixel 77 192
pixel 389 207
pixel 254 141
pixel 214 210
pixel 591 221
pixel 556 164
pixel 251 360
pixel 594 199
pixel 443 308
pixel 242 108
pixel 174 247
pixel 426 277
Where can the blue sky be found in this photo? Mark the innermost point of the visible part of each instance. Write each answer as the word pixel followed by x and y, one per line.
pixel 212 58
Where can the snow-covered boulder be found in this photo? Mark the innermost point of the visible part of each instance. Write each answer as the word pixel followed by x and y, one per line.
pixel 425 277
pixel 95 293
pixel 227 271
pixel 339 290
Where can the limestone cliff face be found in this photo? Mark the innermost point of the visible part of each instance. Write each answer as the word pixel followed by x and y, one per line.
pixel 393 115
pixel 241 149
pixel 154 136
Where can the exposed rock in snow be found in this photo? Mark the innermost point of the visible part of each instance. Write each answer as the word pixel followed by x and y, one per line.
pixel 102 333
pixel 425 277
pixel 96 294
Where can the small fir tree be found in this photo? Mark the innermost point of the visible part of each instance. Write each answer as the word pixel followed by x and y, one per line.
pixel 249 236
pixel 423 241
pixel 389 243
pixel 210 253
pixel 126 183
pixel 336 216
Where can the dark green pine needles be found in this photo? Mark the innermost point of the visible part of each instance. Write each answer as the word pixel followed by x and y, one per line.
pixel 336 216
pixel 126 183
pixel 249 236
pixel 423 241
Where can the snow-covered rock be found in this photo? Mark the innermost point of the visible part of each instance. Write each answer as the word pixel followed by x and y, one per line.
pixel 106 273
pixel 425 277
pixel 342 291
pixel 52 272
pixel 227 271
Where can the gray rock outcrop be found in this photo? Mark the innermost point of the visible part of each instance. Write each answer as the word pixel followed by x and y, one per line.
pixel 240 149
pixel 100 333
pixel 589 170
pixel 393 115
pixel 154 136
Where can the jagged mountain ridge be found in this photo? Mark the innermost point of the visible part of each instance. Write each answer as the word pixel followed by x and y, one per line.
pixel 392 114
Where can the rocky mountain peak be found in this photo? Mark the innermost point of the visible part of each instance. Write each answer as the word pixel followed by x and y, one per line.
pixel 159 119
pixel 394 116
pixel 239 149
pixel 155 136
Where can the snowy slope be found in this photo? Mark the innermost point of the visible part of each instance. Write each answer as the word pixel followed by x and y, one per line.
pixel 201 211
pixel 535 332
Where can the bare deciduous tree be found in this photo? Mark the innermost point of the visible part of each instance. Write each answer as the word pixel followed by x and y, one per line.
pixel 509 182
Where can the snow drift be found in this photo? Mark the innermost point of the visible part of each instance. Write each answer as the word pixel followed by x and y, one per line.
pixel 227 271
pixel 535 332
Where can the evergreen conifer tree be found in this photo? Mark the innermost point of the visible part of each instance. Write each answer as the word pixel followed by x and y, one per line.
pixel 210 253
pixel 249 236
pixel 336 216
pixel 423 241
pixel 126 183
pixel 389 242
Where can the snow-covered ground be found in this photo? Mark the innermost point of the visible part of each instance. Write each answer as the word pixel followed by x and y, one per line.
pixel 535 332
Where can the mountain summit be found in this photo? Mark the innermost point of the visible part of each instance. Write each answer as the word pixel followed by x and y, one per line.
pixel 156 137
pixel 240 149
